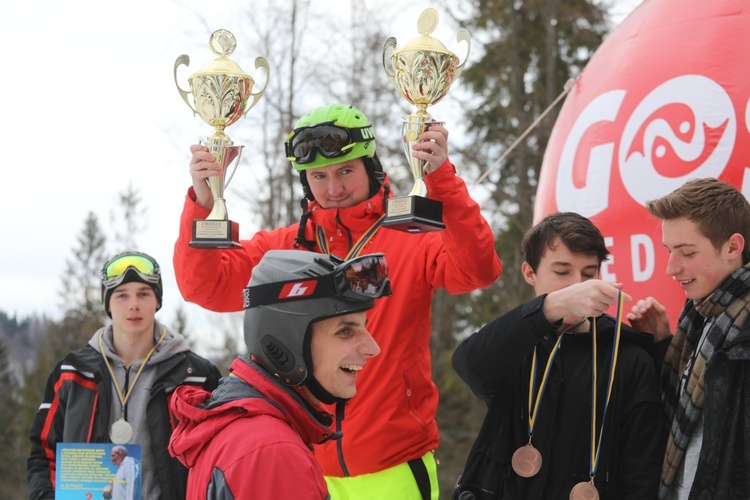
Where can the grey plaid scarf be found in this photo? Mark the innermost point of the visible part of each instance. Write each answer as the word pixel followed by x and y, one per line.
pixel 720 317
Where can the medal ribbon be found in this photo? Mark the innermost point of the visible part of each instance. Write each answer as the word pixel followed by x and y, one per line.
pixel 124 400
pixel 320 236
pixel 545 378
pixel 596 446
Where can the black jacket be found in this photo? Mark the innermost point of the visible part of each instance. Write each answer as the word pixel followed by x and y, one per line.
pixel 76 409
pixel 724 463
pixel 496 363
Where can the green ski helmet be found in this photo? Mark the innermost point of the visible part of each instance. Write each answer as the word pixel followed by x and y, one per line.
pixel 330 134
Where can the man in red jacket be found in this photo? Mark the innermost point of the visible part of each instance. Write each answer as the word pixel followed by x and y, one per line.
pixel 305 327
pixel 390 434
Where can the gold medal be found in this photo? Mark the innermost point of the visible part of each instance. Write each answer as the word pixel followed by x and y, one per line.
pixel 526 461
pixel 121 432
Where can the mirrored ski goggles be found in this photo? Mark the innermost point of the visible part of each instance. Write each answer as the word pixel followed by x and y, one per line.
pixel 359 279
pixel 330 140
pixel 114 270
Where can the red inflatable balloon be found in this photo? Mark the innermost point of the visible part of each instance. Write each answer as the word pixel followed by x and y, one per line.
pixel 663 100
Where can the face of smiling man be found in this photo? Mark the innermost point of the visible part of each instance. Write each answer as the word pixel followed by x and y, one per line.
pixel 694 261
pixel 340 347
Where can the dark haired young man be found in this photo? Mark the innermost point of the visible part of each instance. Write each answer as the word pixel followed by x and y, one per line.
pixel 572 396
pixel 117 388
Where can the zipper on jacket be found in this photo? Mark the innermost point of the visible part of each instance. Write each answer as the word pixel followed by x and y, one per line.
pixel 125 386
pixel 350 242
pixel 409 403
pixel 339 445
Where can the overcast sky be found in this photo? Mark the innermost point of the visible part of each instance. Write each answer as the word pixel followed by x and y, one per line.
pixel 89 106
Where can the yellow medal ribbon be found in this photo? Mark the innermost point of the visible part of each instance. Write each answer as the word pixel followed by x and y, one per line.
pixel 124 399
pixel 545 378
pixel 596 445
pixel 320 236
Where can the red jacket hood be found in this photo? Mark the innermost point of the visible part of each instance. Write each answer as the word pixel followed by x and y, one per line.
pixel 246 393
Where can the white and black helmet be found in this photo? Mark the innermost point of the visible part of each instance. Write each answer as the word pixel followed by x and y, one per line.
pixel 291 289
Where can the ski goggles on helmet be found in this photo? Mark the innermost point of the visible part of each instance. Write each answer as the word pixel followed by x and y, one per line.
pixel 114 271
pixel 327 139
pixel 358 279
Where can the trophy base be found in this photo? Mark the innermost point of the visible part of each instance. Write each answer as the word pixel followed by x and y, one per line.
pixel 414 214
pixel 215 234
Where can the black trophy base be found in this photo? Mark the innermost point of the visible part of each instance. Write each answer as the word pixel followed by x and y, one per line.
pixel 215 234
pixel 413 214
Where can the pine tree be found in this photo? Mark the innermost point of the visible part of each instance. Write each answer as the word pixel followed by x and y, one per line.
pixel 81 291
pixel 84 315
pixel 180 324
pixel 128 219
pixel 13 464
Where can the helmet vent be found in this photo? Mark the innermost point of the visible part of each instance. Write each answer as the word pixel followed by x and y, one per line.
pixel 277 353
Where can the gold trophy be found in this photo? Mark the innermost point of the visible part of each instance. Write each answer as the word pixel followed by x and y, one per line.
pixel 221 93
pixel 422 72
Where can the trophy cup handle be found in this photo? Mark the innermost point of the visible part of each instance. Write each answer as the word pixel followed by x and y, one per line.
pixel 260 62
pixel 390 43
pixel 463 36
pixel 236 163
pixel 183 59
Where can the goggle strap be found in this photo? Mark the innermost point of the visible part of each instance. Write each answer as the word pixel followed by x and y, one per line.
pixel 331 285
pixel 358 134
pixel 361 134
pixel 293 290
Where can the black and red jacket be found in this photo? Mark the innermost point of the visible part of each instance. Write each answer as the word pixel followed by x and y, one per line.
pixel 76 409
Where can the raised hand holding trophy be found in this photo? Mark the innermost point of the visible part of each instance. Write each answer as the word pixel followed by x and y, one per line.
pixel 221 93
pixel 422 72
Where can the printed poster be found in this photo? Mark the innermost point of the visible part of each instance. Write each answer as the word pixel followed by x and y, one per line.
pixel 95 471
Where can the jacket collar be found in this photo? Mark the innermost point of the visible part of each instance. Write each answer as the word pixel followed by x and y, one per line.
pixel 357 218
pixel 247 393
pixel 311 423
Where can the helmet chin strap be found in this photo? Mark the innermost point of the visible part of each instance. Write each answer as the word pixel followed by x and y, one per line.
pixel 305 185
pixel 320 393
pixel 300 239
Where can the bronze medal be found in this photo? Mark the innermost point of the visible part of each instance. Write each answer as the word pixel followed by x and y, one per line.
pixel 584 491
pixel 121 432
pixel 526 461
